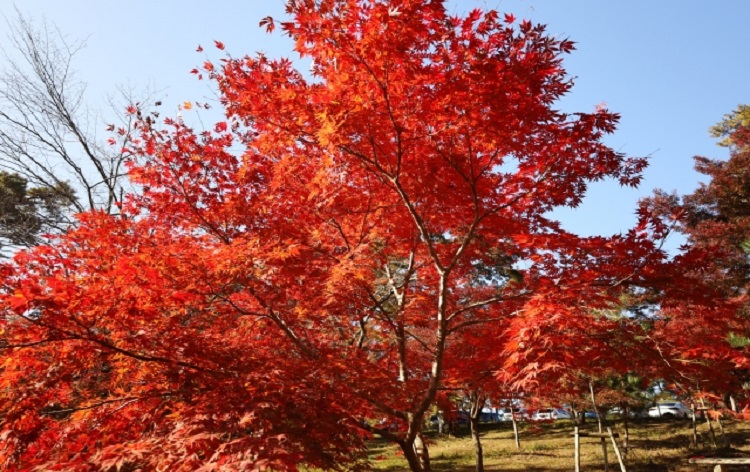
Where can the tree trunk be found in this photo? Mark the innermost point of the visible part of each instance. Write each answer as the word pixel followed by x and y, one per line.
pixel 422 453
pixel 625 418
pixel 711 430
pixel 708 422
pixel 410 454
pixel 601 427
pixel 724 439
pixel 476 411
pixel 579 417
pixel 415 450
pixel 477 444
pixel 515 427
pixel 695 424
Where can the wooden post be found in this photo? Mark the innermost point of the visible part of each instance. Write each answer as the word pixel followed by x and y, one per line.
pixel 617 450
pixel 577 435
pixel 601 429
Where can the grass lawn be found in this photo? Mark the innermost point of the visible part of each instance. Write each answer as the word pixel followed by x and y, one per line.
pixel 655 445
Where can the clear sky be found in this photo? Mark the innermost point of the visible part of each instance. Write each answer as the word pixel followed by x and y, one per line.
pixel 671 68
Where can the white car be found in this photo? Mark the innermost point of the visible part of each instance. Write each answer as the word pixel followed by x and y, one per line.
pixel 520 415
pixel 550 414
pixel 632 413
pixel 670 410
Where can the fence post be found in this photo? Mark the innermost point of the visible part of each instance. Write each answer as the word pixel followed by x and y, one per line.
pixel 617 450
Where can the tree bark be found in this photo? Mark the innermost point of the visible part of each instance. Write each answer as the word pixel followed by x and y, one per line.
pixel 515 427
pixel 708 422
pixel 626 414
pixel 601 427
pixel 410 454
pixel 577 446
pixel 724 438
pixel 476 411
pixel 695 424
pixel 422 453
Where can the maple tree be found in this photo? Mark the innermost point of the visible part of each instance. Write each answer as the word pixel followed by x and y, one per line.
pixel 717 214
pixel 714 218
pixel 292 281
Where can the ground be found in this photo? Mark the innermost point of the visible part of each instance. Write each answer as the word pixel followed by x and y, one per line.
pixel 656 445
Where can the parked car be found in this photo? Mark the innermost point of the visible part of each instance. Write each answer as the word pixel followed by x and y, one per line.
pixel 520 414
pixel 489 417
pixel 388 425
pixel 550 414
pixel 455 417
pixel 459 417
pixel 632 413
pixel 586 415
pixel 670 410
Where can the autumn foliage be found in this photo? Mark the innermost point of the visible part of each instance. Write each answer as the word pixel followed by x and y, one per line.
pixel 715 220
pixel 300 276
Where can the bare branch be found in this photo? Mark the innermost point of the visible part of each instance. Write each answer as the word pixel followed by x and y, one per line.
pixel 47 134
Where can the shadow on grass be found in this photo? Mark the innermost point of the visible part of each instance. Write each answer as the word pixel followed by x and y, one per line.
pixel 655 445
pixel 380 448
pixel 443 465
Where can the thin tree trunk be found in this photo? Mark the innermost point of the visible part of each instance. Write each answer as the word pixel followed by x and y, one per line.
pixel 710 426
pixel 601 427
pixel 579 416
pixel 577 446
pixel 711 430
pixel 724 438
pixel 515 427
pixel 626 425
pixel 695 424
pixel 476 411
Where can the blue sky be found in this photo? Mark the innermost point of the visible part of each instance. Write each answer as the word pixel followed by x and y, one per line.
pixel 671 68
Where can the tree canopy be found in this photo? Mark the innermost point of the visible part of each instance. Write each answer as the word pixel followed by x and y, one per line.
pixel 315 267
